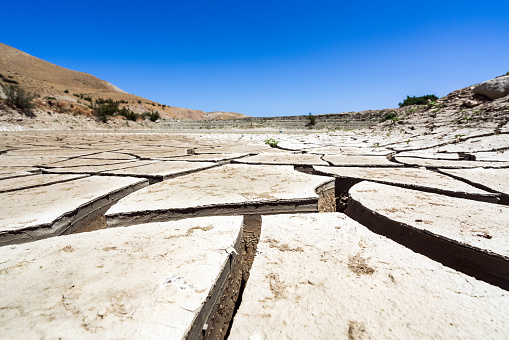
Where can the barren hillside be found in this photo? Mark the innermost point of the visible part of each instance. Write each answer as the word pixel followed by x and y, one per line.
pixel 73 87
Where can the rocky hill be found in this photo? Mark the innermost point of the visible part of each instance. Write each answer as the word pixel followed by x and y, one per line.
pixel 481 105
pixel 61 90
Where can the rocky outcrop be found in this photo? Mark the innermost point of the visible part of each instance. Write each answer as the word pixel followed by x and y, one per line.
pixel 494 88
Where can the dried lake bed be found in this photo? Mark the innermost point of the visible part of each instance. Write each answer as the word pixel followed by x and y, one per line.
pixel 344 234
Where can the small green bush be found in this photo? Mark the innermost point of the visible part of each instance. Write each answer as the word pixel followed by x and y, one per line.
pixel 66 91
pixel 311 119
pixel 272 142
pixel 422 100
pixel 153 116
pixel 18 98
pixel 389 116
pixel 128 114
pixel 108 107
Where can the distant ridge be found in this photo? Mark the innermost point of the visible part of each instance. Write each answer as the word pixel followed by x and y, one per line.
pixel 223 115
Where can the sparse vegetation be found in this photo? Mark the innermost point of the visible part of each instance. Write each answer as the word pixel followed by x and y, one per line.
pixel 83 96
pixel 422 100
pixel 414 109
pixel 393 116
pixel 311 119
pixel 128 114
pixel 271 142
pixel 464 118
pixel 152 115
pixel 435 105
pixel 103 108
pixel 18 98
pixel 66 91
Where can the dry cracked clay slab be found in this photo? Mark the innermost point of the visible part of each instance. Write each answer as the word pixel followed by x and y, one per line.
pixel 494 179
pixel 226 187
pixel 12 184
pixel 467 235
pixel 153 281
pixel 325 276
pixel 365 161
pixel 162 170
pixel 283 159
pixel 40 212
pixel 449 164
pixel 413 178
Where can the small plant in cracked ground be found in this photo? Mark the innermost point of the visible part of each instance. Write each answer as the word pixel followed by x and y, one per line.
pixel 271 142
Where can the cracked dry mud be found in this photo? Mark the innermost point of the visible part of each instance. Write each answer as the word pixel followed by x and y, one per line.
pixel 339 234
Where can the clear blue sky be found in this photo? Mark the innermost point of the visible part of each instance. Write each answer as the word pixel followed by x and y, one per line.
pixel 269 58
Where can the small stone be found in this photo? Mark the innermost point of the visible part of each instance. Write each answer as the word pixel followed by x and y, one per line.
pixel 470 103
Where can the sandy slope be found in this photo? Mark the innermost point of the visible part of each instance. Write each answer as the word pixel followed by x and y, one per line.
pixel 49 80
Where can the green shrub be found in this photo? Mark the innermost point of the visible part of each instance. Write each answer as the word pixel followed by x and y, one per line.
pixel 422 100
pixel 389 116
pixel 108 107
pixel 66 91
pixel 128 114
pixel 105 109
pixel 153 116
pixel 312 120
pixel 272 142
pixel 103 118
pixel 18 98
